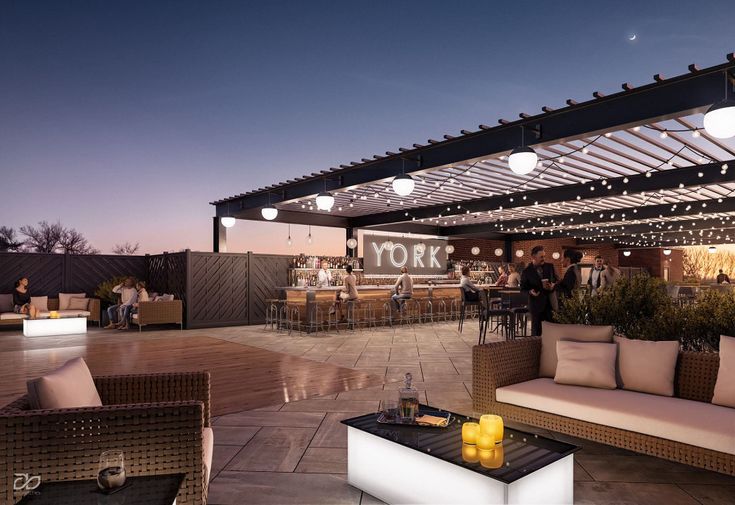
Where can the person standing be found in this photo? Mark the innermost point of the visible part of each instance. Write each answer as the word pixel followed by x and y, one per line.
pixel 514 278
pixel 324 277
pixel 722 278
pixel 596 275
pixel 609 276
pixel 572 278
pixel 403 288
pixel 538 280
pixel 128 296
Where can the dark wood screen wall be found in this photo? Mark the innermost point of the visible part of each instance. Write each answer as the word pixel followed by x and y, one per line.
pixel 217 289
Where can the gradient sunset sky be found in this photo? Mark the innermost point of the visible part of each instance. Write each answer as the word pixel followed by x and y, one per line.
pixel 124 119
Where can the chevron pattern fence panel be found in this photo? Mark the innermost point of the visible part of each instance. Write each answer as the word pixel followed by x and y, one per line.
pixel 266 273
pixel 45 272
pixel 218 289
pixel 86 272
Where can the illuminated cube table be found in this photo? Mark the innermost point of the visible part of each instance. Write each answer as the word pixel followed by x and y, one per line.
pixel 413 464
pixel 50 327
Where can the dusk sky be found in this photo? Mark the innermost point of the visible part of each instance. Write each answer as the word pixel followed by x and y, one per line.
pixel 124 119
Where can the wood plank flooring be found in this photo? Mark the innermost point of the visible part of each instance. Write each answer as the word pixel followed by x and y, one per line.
pixel 243 377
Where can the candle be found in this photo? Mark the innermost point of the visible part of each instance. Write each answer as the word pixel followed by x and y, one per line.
pixel 469 453
pixel 485 441
pixel 492 425
pixel 493 458
pixel 470 431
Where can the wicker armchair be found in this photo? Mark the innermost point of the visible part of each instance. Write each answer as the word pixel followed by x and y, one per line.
pixel 170 312
pixel 156 420
pixel 510 362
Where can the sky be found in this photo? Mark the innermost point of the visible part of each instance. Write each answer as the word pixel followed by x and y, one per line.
pixel 124 119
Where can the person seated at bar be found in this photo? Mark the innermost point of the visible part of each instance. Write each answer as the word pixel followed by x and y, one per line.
pixel 324 277
pixel 471 290
pixel 514 278
pixel 129 310
pixel 22 299
pixel 403 288
pixel 348 291
pixel 128 296
pixel 722 278
pixel 503 278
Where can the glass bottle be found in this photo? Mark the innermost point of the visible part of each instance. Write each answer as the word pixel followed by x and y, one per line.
pixel 408 401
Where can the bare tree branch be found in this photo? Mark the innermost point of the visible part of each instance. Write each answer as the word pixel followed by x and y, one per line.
pixel 44 238
pixel 8 239
pixel 73 242
pixel 126 249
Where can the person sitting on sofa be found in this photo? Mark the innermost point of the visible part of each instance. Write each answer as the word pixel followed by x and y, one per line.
pixel 22 299
pixel 129 310
pixel 128 296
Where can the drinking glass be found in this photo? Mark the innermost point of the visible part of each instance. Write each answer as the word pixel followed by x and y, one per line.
pixel 111 470
pixel 389 408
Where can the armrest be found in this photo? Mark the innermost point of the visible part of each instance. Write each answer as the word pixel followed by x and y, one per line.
pixel 160 312
pixel 501 364
pixel 154 388
pixel 94 309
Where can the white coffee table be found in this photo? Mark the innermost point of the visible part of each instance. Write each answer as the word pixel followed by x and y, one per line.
pixel 49 327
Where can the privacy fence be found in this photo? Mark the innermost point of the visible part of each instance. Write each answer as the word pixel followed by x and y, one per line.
pixel 217 289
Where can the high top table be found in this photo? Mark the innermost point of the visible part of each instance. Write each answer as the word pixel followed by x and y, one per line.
pixel 416 464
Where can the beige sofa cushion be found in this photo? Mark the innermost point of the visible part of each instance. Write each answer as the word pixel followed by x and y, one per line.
pixel 9 316
pixel 67 387
pixel 659 416
pixel 65 299
pixel 207 451
pixel 77 304
pixel 551 333
pixel 590 364
pixel 40 302
pixel 6 302
pixel 725 385
pixel 646 366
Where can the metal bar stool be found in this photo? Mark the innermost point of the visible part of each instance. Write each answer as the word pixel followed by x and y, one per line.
pixel 387 317
pixel 293 316
pixel 271 313
pixel 426 306
pixel 466 304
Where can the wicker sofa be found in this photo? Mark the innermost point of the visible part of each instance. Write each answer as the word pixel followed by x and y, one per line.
pixel 92 313
pixel 160 421
pixel 159 312
pixel 501 366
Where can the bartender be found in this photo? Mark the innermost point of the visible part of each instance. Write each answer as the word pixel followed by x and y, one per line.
pixel 324 277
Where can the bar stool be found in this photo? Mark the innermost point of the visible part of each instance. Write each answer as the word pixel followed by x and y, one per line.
pixel 387 317
pixel 439 308
pixel 370 318
pixel 271 313
pixel 465 304
pixel 354 310
pixel 410 311
pixel 293 316
pixel 426 309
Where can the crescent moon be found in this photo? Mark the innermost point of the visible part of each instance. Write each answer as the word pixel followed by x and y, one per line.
pixel 632 37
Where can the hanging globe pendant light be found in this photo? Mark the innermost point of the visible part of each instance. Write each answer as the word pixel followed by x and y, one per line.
pixel 403 184
pixel 719 121
pixel 269 213
pixel 228 222
pixel 522 160
pixel 324 201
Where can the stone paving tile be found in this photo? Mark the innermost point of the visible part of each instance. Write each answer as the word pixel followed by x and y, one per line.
pixel 221 455
pixel 269 488
pixel 332 433
pixel 322 406
pixel 709 494
pixel 234 435
pixel 265 418
pixel 623 493
pixel 273 449
pixel 323 460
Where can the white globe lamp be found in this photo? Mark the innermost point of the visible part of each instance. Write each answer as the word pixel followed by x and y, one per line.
pixel 324 201
pixel 719 120
pixel 519 253
pixel 475 251
pixel 449 249
pixel 269 213
pixel 498 252
pixel 667 252
pixel 403 185
pixel 227 222
pixel 626 253
pixel 351 243
pixel 711 249
pixel 522 160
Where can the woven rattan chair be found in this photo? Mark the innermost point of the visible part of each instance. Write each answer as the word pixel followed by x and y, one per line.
pixel 169 312
pixel 500 364
pixel 155 420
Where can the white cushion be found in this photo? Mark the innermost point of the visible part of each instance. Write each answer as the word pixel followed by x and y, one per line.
pixel 647 366
pixel 7 316
pixel 135 316
pixel 6 302
pixel 65 298
pixel 207 450
pixel 67 387
pixel 725 385
pixel 551 333
pixel 40 302
pixel 590 364
pixel 694 423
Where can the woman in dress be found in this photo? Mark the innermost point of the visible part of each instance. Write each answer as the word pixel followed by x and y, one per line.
pixel 22 299
pixel 514 278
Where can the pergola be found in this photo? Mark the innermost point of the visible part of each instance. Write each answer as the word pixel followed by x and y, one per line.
pixel 635 168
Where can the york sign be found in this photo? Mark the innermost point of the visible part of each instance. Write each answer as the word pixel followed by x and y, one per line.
pixel 431 259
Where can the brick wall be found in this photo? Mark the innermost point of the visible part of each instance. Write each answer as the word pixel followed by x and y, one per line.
pixel 463 249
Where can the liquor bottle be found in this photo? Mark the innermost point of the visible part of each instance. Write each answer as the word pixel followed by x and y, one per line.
pixel 408 401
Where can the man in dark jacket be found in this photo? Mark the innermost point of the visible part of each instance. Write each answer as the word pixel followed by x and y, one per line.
pixel 538 280
pixel 722 278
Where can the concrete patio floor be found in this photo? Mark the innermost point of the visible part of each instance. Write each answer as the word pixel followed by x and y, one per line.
pixel 295 453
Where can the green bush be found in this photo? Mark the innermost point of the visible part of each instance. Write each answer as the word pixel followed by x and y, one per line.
pixel 104 290
pixel 712 315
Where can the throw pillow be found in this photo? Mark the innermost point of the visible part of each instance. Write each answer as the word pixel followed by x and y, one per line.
pixel 725 385
pixel 6 302
pixel 551 333
pixel 67 387
pixel 646 366
pixel 78 303
pixel 64 299
pixel 40 302
pixel 590 364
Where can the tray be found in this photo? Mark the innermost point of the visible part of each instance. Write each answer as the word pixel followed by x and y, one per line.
pixel 446 415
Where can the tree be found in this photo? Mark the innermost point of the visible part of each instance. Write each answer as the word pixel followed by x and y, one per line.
pixel 73 242
pixel 8 240
pixel 126 249
pixel 44 238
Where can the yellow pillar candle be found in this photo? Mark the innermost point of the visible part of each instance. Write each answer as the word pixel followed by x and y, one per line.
pixel 470 431
pixel 469 453
pixel 492 425
pixel 485 441
pixel 493 458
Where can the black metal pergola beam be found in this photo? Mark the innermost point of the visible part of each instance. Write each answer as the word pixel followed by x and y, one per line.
pixel 665 99
pixel 665 179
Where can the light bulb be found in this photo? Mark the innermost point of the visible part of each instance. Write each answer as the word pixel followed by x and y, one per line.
pixel 324 201
pixel 403 184
pixel 667 252
pixel 308 239
pixel 626 253
pixel 522 160
pixel 719 121
pixel 227 222
pixel 269 213
pixel 449 249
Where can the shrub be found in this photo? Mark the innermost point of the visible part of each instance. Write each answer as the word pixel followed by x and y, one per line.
pixel 712 315
pixel 104 290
